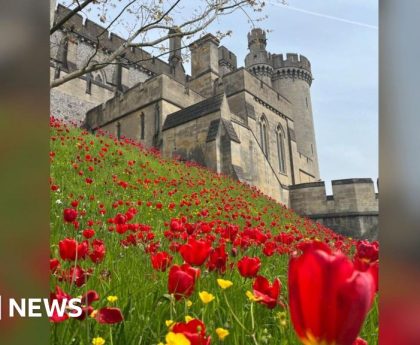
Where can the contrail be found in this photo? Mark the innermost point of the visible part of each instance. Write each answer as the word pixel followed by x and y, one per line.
pixel 343 20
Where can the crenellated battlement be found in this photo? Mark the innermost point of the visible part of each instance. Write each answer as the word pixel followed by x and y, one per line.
pixel 257 39
pixel 226 57
pixel 352 205
pixel 291 60
pixel 95 35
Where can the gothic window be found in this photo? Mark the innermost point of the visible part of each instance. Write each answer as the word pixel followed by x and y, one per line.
pixel 280 148
pixel 88 84
pixel 118 130
pixel 157 119
pixel 264 134
pixel 98 78
pixel 142 126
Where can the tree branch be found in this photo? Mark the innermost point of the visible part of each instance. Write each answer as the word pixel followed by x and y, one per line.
pixel 69 15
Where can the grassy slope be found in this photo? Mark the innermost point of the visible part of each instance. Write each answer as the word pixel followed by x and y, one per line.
pixel 127 272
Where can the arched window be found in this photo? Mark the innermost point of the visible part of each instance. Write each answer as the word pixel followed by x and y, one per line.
pixel 264 134
pixel 89 83
pixel 98 78
pixel 280 148
pixel 142 126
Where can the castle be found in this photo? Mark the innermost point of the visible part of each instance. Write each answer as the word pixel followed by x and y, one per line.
pixel 253 123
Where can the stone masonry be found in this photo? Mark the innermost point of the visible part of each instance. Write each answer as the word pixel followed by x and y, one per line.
pixel 253 123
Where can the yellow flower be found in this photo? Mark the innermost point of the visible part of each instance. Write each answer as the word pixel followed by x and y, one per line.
pixel 224 284
pixel 252 297
pixel 176 339
pixel 169 323
pixel 93 314
pixel 98 341
pixel 112 299
pixel 206 297
pixel 189 303
pixel 188 318
pixel 282 317
pixel 222 333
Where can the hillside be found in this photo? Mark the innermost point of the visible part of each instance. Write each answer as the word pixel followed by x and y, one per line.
pixel 122 216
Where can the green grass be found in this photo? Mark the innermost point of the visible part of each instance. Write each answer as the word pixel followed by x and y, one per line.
pixel 127 272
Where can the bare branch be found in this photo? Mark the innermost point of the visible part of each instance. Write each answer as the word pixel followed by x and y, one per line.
pixel 188 28
pixel 69 15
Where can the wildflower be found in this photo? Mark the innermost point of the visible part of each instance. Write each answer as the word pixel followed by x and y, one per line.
pixel 195 252
pixel 224 284
pixel 87 299
pixel 328 297
pixel 249 267
pixel 70 250
pixel 268 294
pixel 112 299
pixel 176 339
pixel 206 297
pixel 161 261
pixel 69 214
pixel 218 259
pixel 98 251
pixel 222 333
pixel 188 318
pixel 98 341
pixel 88 233
pixel 168 323
pixel 252 297
pixel 181 280
pixel 189 303
pixel 282 317
pixel 194 330
pixel 360 341
pixel 109 315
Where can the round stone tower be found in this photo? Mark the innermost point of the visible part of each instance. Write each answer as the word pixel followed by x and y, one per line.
pixel 258 60
pixel 292 78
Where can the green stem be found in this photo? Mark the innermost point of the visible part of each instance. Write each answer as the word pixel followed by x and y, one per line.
pixel 233 314
pixel 110 336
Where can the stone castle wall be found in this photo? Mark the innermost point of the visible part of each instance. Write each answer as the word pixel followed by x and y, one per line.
pixel 351 210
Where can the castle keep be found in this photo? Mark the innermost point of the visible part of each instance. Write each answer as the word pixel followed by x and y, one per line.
pixel 253 123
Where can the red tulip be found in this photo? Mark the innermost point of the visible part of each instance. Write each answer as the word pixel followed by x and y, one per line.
pixel 75 275
pixel 267 294
pixel 54 265
pixel 360 341
pixel 161 261
pixel 69 214
pixel 328 297
pixel 98 251
pixel 195 252
pixel 109 315
pixel 218 259
pixel 70 249
pixel 181 280
pixel 88 233
pixel 59 295
pixel 367 251
pixel 87 299
pixel 249 267
pixel 194 331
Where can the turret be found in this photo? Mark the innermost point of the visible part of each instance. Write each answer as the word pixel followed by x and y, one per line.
pixel 258 61
pixel 292 78
pixel 175 56
pixel 204 64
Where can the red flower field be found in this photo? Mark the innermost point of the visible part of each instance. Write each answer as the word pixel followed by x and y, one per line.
pixel 167 252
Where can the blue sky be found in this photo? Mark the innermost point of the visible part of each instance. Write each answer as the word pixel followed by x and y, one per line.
pixel 344 54
pixel 340 38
